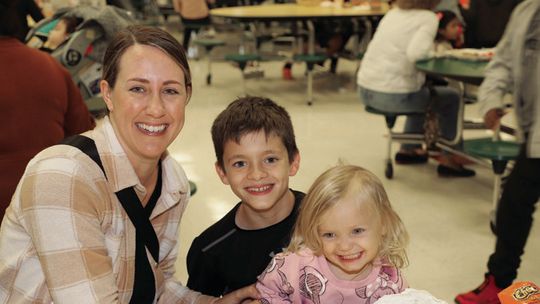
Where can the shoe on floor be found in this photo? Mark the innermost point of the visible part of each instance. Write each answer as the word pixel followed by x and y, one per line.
pixel 486 293
pixel 446 171
pixel 411 158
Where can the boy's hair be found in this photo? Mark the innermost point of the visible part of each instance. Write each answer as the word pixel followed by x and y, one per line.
pixel 252 114
pixel 331 187
pixel 417 4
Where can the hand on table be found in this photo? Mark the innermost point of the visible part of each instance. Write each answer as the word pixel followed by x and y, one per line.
pixel 492 119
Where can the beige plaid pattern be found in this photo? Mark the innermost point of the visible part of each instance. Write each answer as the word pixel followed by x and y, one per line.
pixel 66 238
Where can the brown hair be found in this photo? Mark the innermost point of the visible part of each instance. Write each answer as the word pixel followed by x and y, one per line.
pixel 252 114
pixel 417 4
pixel 328 190
pixel 145 35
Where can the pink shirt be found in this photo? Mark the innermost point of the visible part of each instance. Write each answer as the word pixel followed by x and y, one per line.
pixel 305 278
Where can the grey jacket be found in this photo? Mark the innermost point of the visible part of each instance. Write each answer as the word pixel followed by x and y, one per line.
pixel 504 73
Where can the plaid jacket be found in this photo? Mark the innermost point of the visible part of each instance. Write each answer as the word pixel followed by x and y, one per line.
pixel 66 238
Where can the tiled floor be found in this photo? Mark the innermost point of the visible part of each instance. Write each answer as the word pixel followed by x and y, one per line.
pixel 446 218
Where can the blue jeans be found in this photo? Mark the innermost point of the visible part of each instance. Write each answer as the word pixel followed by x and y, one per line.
pixel 446 107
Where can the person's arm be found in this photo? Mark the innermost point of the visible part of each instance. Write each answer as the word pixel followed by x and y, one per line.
pixel 77 118
pixel 62 209
pixel 421 44
pixel 177 4
pixel 274 283
pixel 203 273
pixel 498 79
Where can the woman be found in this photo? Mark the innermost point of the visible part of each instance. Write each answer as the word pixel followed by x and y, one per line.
pixel 68 236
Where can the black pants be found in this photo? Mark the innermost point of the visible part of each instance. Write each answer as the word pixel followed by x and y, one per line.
pixel 193 25
pixel 514 218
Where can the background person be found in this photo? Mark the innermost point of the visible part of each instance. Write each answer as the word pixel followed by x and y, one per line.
pixel 514 68
pixel 66 237
pixel 348 245
pixel 39 102
pixel 66 26
pixel 389 81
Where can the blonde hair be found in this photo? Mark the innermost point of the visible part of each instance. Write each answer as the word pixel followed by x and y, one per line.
pixel 332 186
pixel 417 4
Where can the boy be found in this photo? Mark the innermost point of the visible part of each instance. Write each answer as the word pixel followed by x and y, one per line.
pixel 256 153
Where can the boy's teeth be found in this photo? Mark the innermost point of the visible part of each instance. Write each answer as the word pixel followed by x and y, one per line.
pixel 259 189
pixel 153 129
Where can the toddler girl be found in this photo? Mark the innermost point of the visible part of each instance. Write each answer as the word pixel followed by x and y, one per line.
pixel 389 81
pixel 449 32
pixel 347 246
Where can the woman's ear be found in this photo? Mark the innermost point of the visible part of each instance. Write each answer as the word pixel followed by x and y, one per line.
pixel 106 92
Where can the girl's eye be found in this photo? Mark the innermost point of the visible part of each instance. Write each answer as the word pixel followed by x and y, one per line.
pixel 137 90
pixel 358 230
pixel 239 164
pixel 328 235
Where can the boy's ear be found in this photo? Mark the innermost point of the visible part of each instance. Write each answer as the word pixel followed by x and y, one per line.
pixel 106 94
pixel 295 164
pixel 221 173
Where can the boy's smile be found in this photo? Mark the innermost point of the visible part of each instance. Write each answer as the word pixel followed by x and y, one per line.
pixel 258 169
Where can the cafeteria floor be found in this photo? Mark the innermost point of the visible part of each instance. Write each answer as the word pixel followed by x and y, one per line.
pixel 447 218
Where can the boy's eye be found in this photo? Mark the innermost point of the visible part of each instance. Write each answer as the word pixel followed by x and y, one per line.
pixel 137 90
pixel 239 164
pixel 358 230
pixel 271 160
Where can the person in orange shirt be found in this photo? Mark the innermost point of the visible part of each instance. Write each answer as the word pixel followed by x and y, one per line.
pixel 195 14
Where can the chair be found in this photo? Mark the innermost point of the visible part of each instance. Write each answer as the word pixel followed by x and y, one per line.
pixel 310 61
pixel 209 45
pixel 242 61
pixel 390 118
pixel 499 153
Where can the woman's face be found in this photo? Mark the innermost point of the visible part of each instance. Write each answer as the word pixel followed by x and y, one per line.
pixel 147 102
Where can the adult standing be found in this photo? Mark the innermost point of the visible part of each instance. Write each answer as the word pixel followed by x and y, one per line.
pixel 39 102
pixel 514 68
pixel 24 9
pixel 78 232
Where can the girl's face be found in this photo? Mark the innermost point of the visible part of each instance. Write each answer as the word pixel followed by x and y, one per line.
pixel 452 30
pixel 350 234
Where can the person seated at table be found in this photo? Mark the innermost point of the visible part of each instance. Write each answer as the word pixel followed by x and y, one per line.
pixel 194 14
pixel 449 33
pixel 66 26
pixel 389 81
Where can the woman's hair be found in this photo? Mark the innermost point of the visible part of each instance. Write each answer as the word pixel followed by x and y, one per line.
pixel 417 4
pixel 144 35
pixel 331 187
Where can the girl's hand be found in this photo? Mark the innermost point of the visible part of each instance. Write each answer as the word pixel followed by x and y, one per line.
pixel 248 294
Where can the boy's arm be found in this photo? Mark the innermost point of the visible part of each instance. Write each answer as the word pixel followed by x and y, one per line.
pixel 203 273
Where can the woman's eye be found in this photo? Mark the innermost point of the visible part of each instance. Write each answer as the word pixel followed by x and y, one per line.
pixel 171 91
pixel 137 90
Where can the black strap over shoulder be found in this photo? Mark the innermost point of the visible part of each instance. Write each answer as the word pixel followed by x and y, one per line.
pixel 144 286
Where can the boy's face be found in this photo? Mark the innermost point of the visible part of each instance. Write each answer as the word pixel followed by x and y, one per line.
pixel 258 169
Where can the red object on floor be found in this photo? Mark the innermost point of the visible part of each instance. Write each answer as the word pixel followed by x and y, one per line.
pixel 486 293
